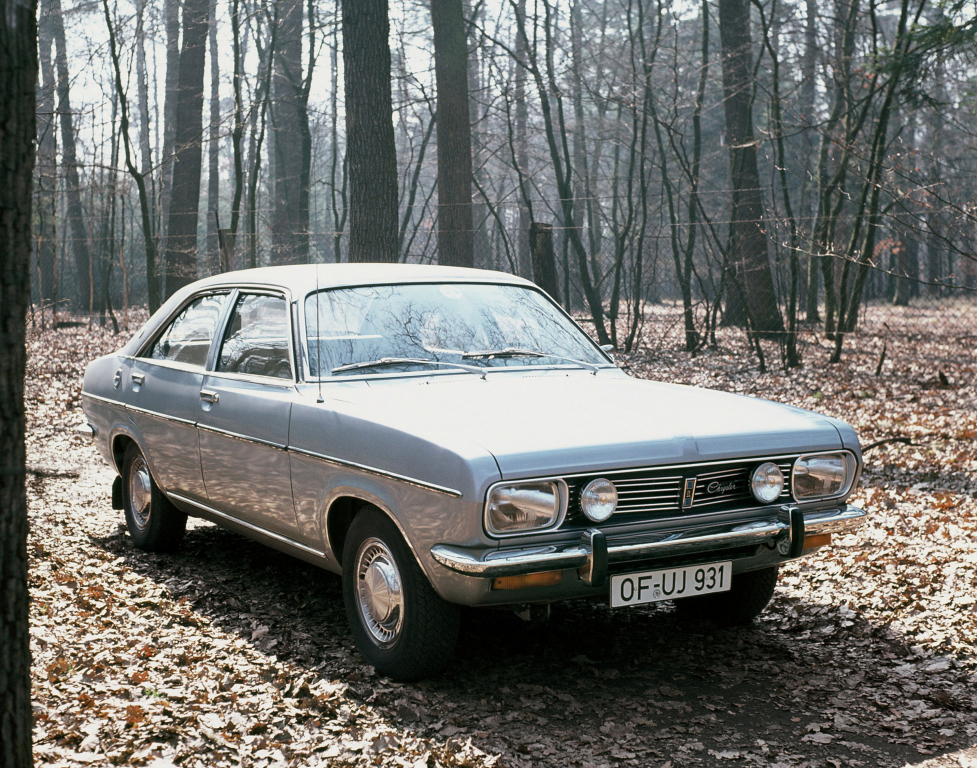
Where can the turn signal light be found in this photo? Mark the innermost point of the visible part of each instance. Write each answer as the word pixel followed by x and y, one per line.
pixel 815 541
pixel 524 581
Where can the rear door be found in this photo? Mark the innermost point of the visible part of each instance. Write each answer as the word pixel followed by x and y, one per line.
pixel 162 391
pixel 243 411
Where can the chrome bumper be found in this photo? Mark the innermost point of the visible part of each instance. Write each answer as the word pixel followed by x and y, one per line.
pixel 593 552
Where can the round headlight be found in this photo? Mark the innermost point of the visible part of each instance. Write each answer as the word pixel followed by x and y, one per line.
pixel 598 500
pixel 767 482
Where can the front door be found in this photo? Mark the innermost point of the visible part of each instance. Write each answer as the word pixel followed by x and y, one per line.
pixel 242 416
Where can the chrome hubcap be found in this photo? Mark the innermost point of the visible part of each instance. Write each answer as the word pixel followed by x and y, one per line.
pixel 140 492
pixel 381 597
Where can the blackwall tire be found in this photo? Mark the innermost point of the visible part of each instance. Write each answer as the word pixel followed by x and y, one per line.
pixel 749 594
pixel 399 623
pixel 154 524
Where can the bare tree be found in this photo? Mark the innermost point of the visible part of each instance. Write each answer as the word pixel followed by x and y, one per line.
pixel 455 222
pixel 370 145
pixel 171 20
pixel 76 217
pixel 292 139
pixel 18 78
pixel 47 168
pixel 748 233
pixel 181 230
pixel 213 148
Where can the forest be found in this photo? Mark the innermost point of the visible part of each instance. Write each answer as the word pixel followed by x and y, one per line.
pixel 775 166
pixel 775 198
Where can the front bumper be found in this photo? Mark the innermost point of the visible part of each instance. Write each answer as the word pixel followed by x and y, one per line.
pixel 594 552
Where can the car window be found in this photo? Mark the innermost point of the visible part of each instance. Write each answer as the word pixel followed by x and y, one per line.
pixel 256 339
pixel 442 323
pixel 187 339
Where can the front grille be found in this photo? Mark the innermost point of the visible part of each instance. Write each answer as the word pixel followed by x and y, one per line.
pixel 653 493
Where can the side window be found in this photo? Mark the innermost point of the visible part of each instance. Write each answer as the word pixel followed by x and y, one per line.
pixel 256 339
pixel 187 339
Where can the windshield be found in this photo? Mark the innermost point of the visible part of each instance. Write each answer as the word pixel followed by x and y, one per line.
pixel 447 322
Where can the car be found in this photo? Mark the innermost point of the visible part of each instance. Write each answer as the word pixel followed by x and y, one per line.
pixel 446 437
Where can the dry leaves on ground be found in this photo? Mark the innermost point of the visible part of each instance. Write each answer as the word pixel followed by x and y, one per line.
pixel 230 654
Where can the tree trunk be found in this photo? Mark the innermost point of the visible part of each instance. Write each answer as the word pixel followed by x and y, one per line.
pixel 371 153
pixel 523 258
pixel 146 160
pixel 75 214
pixel 213 169
pixel 18 79
pixel 47 167
pixel 749 237
pixel 171 20
pixel 291 142
pixel 808 93
pixel 181 230
pixel 481 247
pixel 455 216
pixel 544 258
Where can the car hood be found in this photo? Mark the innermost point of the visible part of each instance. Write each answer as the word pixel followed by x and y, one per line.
pixel 557 422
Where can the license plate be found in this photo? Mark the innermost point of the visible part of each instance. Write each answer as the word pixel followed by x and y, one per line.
pixel 669 584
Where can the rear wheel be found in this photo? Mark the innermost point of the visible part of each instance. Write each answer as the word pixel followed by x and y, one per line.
pixel 749 594
pixel 400 624
pixel 154 524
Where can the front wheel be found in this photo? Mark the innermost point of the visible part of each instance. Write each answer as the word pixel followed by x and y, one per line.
pixel 400 624
pixel 748 596
pixel 154 524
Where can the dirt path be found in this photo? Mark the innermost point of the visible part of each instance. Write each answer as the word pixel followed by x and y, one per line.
pixel 231 654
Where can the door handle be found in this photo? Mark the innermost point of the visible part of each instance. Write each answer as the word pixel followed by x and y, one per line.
pixel 208 396
pixel 138 378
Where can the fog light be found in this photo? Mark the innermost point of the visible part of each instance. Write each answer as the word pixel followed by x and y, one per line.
pixel 767 482
pixel 523 581
pixel 598 500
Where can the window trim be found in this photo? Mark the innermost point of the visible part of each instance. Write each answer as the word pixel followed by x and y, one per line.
pixel 236 293
pixel 167 323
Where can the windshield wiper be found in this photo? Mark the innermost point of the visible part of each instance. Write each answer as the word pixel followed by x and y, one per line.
pixel 383 361
pixel 488 354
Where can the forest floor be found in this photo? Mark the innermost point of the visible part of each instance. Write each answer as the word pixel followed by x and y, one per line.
pixel 231 654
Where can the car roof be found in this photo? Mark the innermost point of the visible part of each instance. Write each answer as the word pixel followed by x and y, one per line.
pixel 300 278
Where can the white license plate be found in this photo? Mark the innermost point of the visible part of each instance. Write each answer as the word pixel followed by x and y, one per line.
pixel 669 584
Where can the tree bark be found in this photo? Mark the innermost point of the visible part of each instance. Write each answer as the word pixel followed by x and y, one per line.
pixel 749 237
pixel 146 161
pixel 455 216
pixel 292 142
pixel 213 149
pixel 181 230
pixel 171 20
pixel 75 213
pixel 523 258
pixel 18 79
pixel 47 167
pixel 371 153
pixel 544 258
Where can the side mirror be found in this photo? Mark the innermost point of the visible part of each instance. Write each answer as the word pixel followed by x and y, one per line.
pixel 607 347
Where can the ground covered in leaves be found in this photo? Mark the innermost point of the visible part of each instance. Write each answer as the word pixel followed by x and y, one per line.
pixel 231 654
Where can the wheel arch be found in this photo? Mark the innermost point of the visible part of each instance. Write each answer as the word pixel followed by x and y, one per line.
pixel 340 509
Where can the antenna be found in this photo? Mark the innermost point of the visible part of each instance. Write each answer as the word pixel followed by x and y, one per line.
pixel 318 338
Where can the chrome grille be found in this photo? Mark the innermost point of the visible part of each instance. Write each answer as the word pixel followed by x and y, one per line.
pixel 656 492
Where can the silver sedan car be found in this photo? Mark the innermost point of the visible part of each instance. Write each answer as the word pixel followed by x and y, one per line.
pixel 446 437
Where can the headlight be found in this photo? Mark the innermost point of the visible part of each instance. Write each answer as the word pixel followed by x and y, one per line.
pixel 598 500
pixel 516 507
pixel 767 482
pixel 827 474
